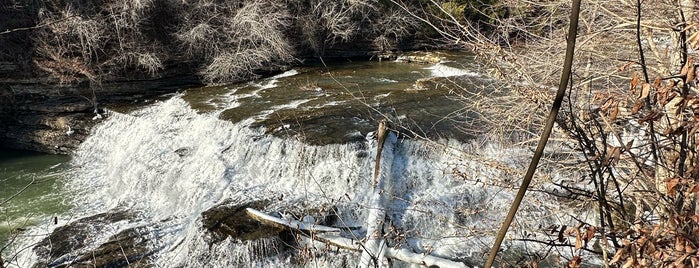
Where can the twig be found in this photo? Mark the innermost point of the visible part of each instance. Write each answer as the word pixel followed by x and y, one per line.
pixel 35 26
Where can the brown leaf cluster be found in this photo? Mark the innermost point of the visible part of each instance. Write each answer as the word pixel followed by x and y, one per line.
pixel 670 244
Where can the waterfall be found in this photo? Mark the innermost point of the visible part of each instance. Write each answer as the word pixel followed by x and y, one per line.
pixel 167 164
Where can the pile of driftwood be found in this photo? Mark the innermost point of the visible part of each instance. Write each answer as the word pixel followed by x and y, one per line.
pixel 374 248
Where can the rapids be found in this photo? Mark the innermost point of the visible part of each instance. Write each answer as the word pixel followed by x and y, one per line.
pixel 166 164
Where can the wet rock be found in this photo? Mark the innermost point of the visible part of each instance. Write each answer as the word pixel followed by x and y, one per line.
pixel 70 245
pixel 184 151
pixel 420 58
pixel 231 220
pixel 125 249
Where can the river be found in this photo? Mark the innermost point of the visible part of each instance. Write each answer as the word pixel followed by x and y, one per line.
pixel 299 143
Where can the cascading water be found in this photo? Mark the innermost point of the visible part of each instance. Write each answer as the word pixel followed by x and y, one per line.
pixel 163 166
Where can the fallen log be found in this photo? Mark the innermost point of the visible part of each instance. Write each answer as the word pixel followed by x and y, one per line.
pixel 288 223
pixel 374 249
pixel 331 236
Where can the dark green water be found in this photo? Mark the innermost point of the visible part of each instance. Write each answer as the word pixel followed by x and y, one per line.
pixel 29 193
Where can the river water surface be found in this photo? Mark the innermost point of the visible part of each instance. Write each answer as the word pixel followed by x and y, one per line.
pixel 300 143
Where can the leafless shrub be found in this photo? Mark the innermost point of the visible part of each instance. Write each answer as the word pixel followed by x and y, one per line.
pixel 147 61
pixel 235 65
pixel 391 27
pixel 95 40
pixel 67 47
pixel 250 36
pixel 324 23
pixel 638 160
pixel 200 39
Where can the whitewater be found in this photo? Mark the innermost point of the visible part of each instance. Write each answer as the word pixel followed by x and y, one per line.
pixel 166 164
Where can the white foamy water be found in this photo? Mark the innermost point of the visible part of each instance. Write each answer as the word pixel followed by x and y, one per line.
pixel 383 80
pixel 272 81
pixel 170 164
pixel 291 105
pixel 441 70
pixel 231 99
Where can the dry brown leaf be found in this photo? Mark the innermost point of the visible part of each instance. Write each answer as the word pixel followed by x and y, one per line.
pixel 645 90
pixel 619 254
pixel 607 103
pixel 679 244
pixel 575 262
pixel 695 189
pixel 658 255
pixel 617 155
pixel 650 249
pixel 613 156
pixel 672 185
pixel 657 82
pixel 689 247
pixel 684 70
pixel 629 263
pixel 680 261
pixel 629 145
pixel 637 107
pixel 615 111
pixel 634 83
pixel 590 233
pixel 691 70
pixel 652 116
pixel 578 239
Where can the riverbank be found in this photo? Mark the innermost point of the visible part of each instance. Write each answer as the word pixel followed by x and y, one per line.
pixel 39 114
pixel 60 63
pixel 43 115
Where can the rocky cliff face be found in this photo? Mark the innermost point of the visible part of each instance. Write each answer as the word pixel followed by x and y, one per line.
pixel 39 114
pixel 159 47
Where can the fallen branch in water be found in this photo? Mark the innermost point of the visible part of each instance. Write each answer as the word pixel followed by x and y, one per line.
pixel 331 235
pixel 375 246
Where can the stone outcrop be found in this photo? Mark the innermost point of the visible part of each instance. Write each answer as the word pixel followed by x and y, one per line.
pixel 70 245
pixel 40 114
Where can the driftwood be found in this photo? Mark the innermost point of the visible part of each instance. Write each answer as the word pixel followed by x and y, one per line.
pixel 375 246
pixel 375 250
pixel 289 223
pixel 331 235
